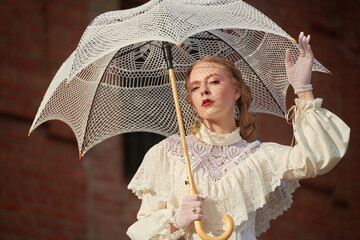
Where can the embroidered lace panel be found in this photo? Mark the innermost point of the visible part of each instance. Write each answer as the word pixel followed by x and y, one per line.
pixel 213 161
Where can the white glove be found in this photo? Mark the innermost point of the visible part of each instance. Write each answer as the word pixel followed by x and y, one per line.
pixel 299 75
pixel 189 211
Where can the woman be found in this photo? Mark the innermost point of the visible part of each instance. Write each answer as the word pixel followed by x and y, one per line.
pixel 250 181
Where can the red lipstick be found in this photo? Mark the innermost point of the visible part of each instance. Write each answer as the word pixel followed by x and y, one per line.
pixel 207 102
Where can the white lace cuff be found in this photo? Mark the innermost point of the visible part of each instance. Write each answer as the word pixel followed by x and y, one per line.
pixel 298 89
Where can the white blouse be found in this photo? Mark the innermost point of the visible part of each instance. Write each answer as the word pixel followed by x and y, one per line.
pixel 252 182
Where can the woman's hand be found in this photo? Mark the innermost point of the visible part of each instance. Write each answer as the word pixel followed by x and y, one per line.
pixel 299 75
pixel 191 209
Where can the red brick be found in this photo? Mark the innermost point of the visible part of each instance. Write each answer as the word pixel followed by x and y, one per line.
pixel 9 204
pixel 23 184
pixel 27 232
pixel 79 218
pixel 76 230
pixel 9 170
pixel 6 146
pixel 56 236
pixel 2 182
pixel 10 238
pixel 61 214
pixel 11 195
pixel 42 200
pixel 5 228
pixel 26 220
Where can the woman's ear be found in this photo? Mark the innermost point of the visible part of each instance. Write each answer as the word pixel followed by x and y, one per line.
pixel 237 93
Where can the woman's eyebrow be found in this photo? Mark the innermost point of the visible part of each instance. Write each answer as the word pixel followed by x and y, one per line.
pixel 212 75
pixel 206 78
pixel 194 82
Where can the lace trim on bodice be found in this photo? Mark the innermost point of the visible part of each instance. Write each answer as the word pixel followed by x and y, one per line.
pixel 213 161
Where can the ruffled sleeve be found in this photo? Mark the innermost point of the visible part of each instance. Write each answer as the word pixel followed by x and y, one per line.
pixel 156 212
pixel 153 175
pixel 153 221
pixel 322 140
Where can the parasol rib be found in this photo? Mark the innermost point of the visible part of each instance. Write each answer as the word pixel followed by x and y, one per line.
pixel 91 108
pixel 129 51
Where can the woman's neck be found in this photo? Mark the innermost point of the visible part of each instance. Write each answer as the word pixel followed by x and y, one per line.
pixel 222 127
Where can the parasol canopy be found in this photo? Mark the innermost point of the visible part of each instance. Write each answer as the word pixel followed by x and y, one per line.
pixel 116 80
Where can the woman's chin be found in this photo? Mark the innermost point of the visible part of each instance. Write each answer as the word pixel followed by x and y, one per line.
pixel 210 121
pixel 216 117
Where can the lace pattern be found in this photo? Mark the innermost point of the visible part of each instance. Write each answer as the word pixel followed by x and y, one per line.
pixel 211 160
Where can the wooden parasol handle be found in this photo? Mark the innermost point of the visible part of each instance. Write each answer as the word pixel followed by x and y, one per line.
pixel 228 220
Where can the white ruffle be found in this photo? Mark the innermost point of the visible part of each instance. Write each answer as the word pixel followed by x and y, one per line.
pixel 305 105
pixel 243 190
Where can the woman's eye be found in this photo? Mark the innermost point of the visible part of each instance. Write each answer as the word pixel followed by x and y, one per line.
pixel 194 89
pixel 215 81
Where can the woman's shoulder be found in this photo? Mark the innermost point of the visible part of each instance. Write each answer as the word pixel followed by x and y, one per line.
pixel 166 143
pixel 170 141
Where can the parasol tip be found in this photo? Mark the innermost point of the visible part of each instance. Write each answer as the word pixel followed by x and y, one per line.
pixel 29 133
pixel 67 83
pixel 80 155
pixel 293 40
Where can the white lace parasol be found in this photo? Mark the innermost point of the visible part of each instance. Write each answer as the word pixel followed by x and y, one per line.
pixel 118 79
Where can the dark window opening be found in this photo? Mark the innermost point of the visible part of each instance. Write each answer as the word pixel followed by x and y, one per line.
pixel 136 146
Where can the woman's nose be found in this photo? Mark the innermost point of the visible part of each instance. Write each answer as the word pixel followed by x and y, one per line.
pixel 205 90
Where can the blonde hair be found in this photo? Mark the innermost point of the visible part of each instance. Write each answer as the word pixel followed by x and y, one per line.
pixel 247 120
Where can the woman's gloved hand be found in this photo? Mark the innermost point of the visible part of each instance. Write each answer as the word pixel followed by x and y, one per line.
pixel 191 209
pixel 299 75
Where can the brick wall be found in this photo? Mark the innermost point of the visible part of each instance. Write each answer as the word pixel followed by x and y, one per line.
pixel 46 193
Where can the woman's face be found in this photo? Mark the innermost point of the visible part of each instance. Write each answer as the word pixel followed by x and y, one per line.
pixel 212 91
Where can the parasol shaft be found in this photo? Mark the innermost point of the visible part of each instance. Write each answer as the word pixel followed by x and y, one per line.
pixel 182 131
pixel 168 59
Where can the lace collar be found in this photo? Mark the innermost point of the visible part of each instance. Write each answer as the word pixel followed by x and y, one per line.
pixel 217 139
